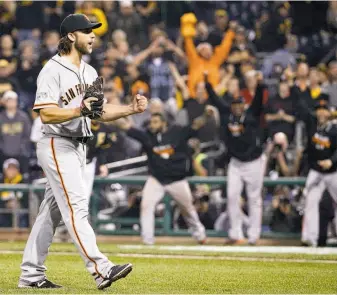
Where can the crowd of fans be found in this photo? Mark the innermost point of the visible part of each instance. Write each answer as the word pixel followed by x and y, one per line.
pixel 161 49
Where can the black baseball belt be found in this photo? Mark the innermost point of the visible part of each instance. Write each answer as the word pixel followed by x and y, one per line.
pixel 83 140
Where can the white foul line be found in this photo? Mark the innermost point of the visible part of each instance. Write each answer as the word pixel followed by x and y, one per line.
pixel 197 257
pixel 238 249
pixel 227 258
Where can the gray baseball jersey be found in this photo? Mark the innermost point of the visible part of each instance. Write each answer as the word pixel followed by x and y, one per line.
pixel 63 160
pixel 62 84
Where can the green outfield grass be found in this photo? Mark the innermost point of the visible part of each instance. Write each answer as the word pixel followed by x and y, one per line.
pixel 173 275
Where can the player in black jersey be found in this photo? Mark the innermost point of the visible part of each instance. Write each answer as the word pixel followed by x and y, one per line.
pixel 322 156
pixel 107 146
pixel 169 163
pixel 243 138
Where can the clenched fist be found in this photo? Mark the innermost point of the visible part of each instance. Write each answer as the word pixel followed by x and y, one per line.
pixel 139 103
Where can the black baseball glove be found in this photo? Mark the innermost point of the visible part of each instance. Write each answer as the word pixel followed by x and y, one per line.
pixel 96 107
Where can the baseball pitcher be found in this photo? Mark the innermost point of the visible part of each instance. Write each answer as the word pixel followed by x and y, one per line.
pixel 69 94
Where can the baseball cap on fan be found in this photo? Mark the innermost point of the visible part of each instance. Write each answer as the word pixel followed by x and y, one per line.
pixel 11 161
pixel 75 22
pixel 9 94
pixel 125 3
pixel 321 104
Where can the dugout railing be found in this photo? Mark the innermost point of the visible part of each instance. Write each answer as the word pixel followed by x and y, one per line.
pixel 163 225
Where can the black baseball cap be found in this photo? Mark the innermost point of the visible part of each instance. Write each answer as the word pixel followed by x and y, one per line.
pixel 75 22
pixel 321 104
pixel 240 99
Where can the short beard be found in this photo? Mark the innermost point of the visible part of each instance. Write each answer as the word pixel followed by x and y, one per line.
pixel 81 48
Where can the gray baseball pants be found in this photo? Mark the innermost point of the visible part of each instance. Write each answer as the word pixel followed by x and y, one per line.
pixel 63 161
pixel 180 191
pixel 251 175
pixel 315 186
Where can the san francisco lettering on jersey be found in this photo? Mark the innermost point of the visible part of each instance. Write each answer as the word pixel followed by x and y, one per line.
pixel 71 93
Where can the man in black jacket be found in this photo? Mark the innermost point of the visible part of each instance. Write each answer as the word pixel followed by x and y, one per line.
pixel 322 156
pixel 169 164
pixel 15 129
pixel 243 138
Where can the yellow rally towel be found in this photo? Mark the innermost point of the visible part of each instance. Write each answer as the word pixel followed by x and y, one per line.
pixel 188 22
pixel 315 92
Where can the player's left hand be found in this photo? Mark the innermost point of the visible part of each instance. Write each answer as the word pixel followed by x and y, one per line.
pixel 139 103
pixel 325 164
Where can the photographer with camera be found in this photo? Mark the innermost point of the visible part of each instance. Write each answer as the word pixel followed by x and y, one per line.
pixel 280 161
pixel 284 216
